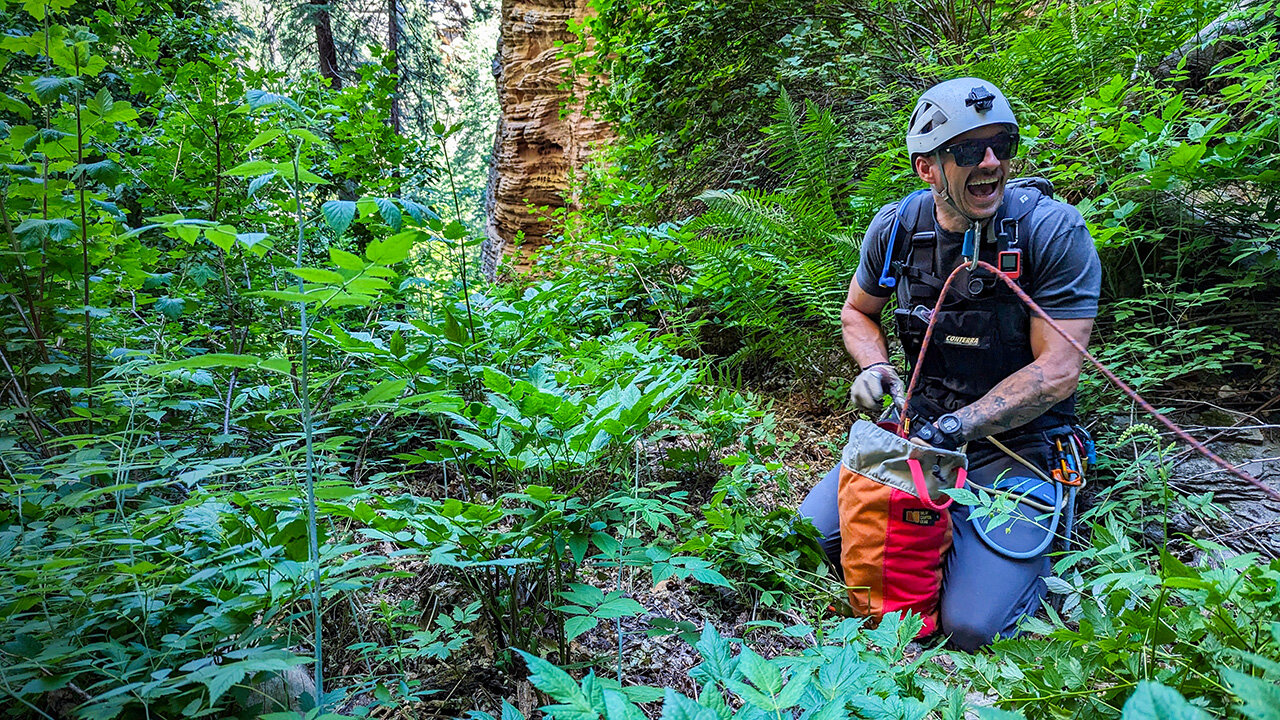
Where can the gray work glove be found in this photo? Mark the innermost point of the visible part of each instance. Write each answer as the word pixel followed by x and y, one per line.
pixel 871 384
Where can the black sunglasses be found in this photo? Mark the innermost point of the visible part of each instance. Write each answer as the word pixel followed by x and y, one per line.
pixel 968 153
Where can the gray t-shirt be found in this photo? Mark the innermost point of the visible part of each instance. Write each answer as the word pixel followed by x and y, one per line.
pixel 1066 277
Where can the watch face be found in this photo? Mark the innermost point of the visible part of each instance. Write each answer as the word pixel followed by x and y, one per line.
pixel 949 423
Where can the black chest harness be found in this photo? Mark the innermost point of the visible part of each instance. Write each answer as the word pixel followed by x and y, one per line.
pixel 982 333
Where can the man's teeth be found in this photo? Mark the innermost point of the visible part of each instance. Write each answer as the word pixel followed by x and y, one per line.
pixel 976 183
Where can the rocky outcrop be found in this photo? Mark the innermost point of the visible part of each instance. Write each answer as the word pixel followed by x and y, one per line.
pixel 535 148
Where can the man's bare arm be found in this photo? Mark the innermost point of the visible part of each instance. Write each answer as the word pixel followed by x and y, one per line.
pixel 860 326
pixel 1028 393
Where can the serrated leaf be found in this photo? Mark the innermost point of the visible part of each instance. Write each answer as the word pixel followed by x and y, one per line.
pixel 385 390
pixel 575 626
pixel 583 594
pixel 338 214
pixel 209 360
pixel 251 168
pixel 303 174
pixel 220 238
pixel 560 687
pixel 259 182
pixel 258 99
pixel 104 171
pixel 455 231
pixel 317 275
pixel 759 671
pixel 171 307
pixel 1153 701
pixel 418 211
pixel 390 251
pixel 618 607
pixel 678 707
pixel 261 139
pixel 1261 698
pixel 251 240
pixel 345 260
pixel 791 694
pixel 48 89
pixel 618 706
pixel 509 711
pixel 390 213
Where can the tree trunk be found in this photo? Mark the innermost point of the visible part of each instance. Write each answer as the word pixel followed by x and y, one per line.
pixel 393 45
pixel 537 147
pixel 325 47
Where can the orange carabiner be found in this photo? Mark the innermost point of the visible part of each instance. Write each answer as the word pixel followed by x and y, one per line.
pixel 1064 473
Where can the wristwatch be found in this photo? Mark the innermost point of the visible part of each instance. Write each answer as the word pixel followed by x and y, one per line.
pixel 944 433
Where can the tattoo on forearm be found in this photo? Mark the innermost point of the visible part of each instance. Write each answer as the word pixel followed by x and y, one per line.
pixel 1017 400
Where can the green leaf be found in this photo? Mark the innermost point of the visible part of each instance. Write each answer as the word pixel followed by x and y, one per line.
pixel 259 182
pixel 1153 701
pixel 258 99
pixel 261 139
pixel 49 89
pixel 583 594
pixel 560 687
pixel 307 137
pixel 390 251
pixel 171 307
pixel 251 168
pixel 345 260
pixel 209 360
pixel 389 212
pixel 1261 697
pixel 104 171
pixel 509 711
pixel 339 214
pixel 618 706
pixel 990 713
pixel 759 671
pixel 317 275
pixel 618 607
pixel 455 231
pixel 575 626
pixel 791 694
pixel 303 174
pixel 221 237
pixel 385 390
pixel 678 707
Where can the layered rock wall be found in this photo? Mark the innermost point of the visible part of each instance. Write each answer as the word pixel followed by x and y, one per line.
pixel 535 149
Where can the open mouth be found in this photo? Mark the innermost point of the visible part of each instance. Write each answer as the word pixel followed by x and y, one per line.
pixel 982 188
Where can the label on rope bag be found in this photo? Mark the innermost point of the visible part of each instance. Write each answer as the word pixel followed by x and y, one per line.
pixel 895 528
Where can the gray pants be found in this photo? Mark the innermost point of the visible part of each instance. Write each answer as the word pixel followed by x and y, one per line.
pixel 985 594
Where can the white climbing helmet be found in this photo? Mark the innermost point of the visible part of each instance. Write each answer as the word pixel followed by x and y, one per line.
pixel 954 107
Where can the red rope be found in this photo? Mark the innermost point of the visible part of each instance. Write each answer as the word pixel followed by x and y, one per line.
pixel 1133 395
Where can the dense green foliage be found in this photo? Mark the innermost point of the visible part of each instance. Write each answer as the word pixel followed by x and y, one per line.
pixel 262 417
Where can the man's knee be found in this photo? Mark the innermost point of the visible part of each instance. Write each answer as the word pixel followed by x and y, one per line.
pixel 821 507
pixel 972 626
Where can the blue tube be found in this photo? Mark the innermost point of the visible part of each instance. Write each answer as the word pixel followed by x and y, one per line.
pixel 1044 544
pixel 887 280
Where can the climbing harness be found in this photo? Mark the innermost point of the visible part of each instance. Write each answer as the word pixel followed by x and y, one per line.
pixel 1069 470
pixel 1066 477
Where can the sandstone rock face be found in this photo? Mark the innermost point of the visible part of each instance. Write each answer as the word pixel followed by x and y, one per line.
pixel 535 149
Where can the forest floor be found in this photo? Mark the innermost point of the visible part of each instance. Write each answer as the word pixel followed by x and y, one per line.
pixel 628 649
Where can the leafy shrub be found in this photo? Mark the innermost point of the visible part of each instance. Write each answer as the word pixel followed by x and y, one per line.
pixel 847 670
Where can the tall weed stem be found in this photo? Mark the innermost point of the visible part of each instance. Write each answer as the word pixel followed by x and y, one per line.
pixel 305 398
